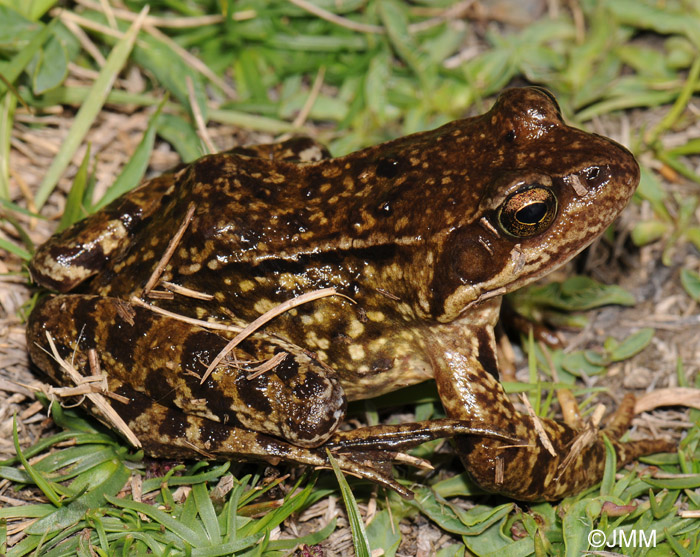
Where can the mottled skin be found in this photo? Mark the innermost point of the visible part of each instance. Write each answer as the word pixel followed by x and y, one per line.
pixel 424 233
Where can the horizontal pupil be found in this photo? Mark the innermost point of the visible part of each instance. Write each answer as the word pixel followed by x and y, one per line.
pixel 532 213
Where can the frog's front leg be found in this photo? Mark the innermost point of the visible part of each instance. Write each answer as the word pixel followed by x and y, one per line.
pixel 467 380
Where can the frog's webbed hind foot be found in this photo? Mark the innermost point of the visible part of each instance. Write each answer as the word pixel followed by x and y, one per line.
pixel 574 460
pixel 618 425
pixel 401 437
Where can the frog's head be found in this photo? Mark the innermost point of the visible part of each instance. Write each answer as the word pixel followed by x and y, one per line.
pixel 554 190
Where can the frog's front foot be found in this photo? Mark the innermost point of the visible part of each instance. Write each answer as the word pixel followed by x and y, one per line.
pixel 575 460
pixel 554 459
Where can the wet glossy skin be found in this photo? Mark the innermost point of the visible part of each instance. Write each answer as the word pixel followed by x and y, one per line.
pixel 424 234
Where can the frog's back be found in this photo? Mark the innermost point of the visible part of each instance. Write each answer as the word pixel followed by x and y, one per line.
pixel 256 217
pixel 396 192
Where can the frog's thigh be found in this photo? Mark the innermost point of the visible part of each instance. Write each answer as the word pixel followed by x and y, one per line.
pixel 164 359
pixel 170 433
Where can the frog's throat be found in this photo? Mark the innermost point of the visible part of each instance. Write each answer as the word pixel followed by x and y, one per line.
pixel 469 296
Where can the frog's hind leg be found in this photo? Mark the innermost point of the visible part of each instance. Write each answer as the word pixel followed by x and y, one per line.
pixel 166 359
pixel 153 366
pixel 169 433
pixel 366 452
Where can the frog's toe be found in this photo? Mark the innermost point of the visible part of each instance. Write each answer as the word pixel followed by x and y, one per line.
pixel 620 423
pixel 375 466
pixel 632 450
pixel 621 420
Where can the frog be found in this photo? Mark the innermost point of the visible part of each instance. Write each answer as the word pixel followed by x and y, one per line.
pixel 413 243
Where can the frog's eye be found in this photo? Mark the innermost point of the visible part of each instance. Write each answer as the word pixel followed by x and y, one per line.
pixel 528 212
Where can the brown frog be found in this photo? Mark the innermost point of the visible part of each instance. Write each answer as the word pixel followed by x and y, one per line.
pixel 420 237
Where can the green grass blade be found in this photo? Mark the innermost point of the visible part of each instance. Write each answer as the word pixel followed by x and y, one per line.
pixel 38 510
pixel 207 513
pixel 78 95
pixel 186 534
pixel 3 537
pixel 680 105
pixel 74 210
pixel 21 210
pixel 89 110
pixel 36 8
pixel 275 518
pixel 111 477
pixel 44 444
pixel 310 539
pixel 77 465
pixel 250 121
pixel 149 54
pixel 52 67
pixel 7 118
pixel 181 135
pixel 651 15
pixel 15 249
pixel 359 536
pixel 153 484
pixel 678 545
pixel 228 548
pixel 134 170
pixel 37 478
pixel 26 240
pixel 16 66
pixel 27 545
pixel 395 21
pixel 608 483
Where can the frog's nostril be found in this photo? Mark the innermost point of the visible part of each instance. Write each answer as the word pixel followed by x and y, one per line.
pixel 592 173
pixel 596 175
